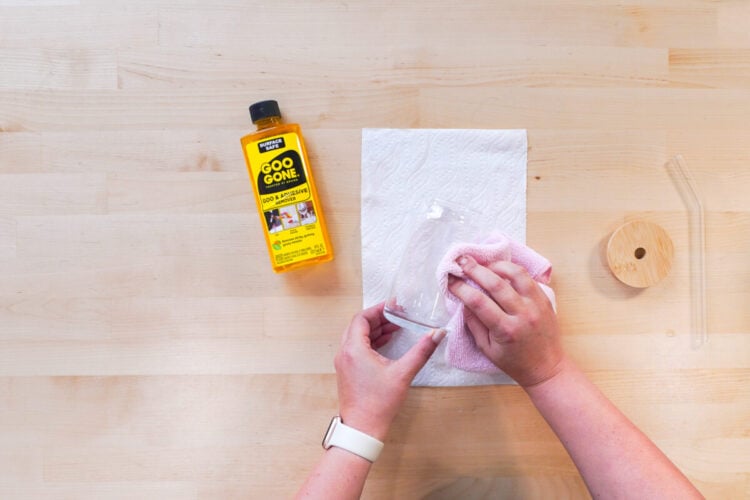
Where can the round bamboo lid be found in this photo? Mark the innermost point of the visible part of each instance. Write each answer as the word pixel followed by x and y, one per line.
pixel 640 253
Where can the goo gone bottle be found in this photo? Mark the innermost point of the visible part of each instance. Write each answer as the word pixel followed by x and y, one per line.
pixel 285 193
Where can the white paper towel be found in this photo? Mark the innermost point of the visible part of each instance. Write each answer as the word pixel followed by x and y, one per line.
pixel 402 171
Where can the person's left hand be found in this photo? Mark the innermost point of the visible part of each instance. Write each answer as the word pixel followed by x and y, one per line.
pixel 372 387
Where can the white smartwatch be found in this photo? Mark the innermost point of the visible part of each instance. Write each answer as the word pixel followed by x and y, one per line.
pixel 350 439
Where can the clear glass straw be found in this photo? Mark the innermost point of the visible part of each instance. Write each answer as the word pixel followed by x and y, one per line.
pixel 685 185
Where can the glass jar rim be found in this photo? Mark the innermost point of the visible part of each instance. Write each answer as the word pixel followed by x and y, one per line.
pixel 440 207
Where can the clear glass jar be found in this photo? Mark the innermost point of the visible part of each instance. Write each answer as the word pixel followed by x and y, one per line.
pixel 415 301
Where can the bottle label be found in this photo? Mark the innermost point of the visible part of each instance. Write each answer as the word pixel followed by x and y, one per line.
pixel 281 178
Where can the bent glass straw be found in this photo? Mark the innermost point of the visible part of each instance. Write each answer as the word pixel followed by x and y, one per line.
pixel 685 185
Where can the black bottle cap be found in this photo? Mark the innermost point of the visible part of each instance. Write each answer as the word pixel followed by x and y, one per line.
pixel 264 109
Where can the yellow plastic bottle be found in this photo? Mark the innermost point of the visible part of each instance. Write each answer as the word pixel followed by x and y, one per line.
pixel 288 204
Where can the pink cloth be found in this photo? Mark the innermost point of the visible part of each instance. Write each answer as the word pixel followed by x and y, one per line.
pixel 462 351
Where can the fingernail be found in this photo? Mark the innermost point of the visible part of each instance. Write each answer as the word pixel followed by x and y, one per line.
pixel 438 335
pixel 462 261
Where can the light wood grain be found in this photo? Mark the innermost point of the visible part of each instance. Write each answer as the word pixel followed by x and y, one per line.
pixel 58 69
pixel 148 351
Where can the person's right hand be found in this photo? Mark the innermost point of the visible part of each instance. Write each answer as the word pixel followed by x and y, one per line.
pixel 515 325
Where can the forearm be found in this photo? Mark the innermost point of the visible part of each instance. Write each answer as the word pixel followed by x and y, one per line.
pixel 615 459
pixel 339 475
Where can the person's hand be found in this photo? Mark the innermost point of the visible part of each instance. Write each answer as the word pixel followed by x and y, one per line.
pixel 372 387
pixel 514 325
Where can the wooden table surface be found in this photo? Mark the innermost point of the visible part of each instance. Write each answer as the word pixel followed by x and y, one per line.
pixel 148 351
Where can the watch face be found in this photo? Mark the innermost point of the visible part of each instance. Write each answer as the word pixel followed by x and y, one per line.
pixel 327 438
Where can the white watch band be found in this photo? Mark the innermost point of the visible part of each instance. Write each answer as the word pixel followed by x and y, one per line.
pixel 350 439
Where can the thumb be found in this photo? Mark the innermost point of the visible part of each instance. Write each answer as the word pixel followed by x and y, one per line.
pixel 416 357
